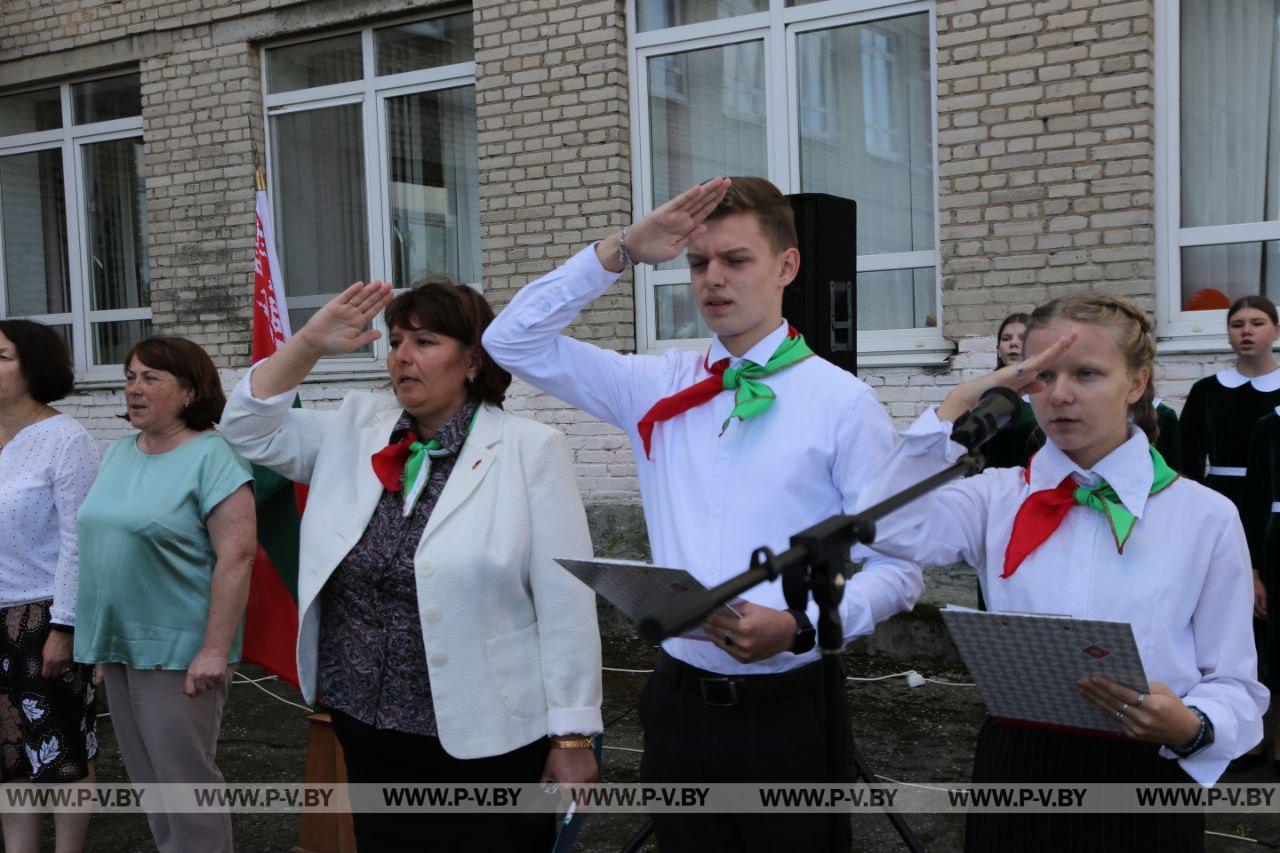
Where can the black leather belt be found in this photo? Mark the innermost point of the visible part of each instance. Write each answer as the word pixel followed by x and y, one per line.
pixel 736 690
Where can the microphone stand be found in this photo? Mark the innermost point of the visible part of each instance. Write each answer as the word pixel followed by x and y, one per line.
pixel 816 564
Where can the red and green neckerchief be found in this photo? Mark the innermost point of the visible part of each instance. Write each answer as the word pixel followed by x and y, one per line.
pixel 406 464
pixel 1043 511
pixel 751 396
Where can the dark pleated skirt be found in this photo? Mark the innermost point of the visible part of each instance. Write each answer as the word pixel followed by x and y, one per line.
pixel 1017 754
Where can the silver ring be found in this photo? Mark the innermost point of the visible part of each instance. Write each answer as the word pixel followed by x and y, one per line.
pixel 1142 697
pixel 1124 706
pixel 728 639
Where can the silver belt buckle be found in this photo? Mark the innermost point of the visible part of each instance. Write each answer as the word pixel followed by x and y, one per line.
pixel 721 692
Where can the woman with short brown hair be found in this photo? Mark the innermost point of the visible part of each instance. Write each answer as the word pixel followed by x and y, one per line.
pixel 434 621
pixel 167 538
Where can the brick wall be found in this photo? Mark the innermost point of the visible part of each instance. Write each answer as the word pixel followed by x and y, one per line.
pixel 1045 167
pixel 1045 146
pixel 555 173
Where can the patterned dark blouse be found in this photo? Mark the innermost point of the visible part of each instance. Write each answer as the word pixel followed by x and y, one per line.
pixel 372 662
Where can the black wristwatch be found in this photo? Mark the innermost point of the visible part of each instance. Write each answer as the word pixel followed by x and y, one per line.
pixel 1203 738
pixel 806 637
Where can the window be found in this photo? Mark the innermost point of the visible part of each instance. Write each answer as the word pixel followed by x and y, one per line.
pixel 833 99
pixel 372 170
pixel 1218 161
pixel 73 216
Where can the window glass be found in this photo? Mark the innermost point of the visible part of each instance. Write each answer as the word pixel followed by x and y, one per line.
pixel 322 218
pixel 424 44
pixel 33 216
pixel 29 112
pixel 107 99
pixel 434 192
pixel 314 63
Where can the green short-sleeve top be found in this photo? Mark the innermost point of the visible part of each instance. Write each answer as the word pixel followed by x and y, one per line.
pixel 146 562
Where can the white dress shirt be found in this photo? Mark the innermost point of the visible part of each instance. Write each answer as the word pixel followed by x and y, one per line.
pixel 711 499
pixel 45 472
pixel 1183 581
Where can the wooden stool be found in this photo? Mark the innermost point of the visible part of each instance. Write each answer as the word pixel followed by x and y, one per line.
pixel 325 833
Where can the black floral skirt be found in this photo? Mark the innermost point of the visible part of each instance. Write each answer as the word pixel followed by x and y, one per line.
pixel 48 726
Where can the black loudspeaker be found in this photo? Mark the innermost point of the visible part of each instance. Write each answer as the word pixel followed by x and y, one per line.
pixel 822 301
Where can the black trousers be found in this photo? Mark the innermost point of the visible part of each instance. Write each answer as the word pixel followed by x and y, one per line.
pixel 1010 753
pixel 377 755
pixel 774 733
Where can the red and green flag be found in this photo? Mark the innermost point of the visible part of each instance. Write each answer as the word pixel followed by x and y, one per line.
pixel 271 619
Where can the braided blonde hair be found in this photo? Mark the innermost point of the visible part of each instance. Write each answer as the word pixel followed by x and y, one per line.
pixel 1134 335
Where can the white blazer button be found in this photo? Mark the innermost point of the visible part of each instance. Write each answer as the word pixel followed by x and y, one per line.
pixel 426 568
pixel 439 658
pixel 431 614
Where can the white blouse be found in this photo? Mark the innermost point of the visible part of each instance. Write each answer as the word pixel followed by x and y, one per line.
pixel 45 473
pixel 1183 581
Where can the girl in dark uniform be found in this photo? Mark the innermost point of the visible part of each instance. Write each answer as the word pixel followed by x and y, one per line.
pixel 1014 444
pixel 1262 524
pixel 1221 410
pixel 1217 425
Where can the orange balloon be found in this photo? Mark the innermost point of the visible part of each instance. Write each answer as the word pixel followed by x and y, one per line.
pixel 1206 299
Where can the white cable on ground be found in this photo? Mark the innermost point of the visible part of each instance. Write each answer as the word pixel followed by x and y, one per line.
pixel 1234 837
pixel 634 671
pixel 241 679
pixel 884 778
pixel 950 683
pixel 877 677
pixel 623 749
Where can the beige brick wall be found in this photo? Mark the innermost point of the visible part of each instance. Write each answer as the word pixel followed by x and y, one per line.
pixel 1045 167
pixel 555 172
pixel 1045 154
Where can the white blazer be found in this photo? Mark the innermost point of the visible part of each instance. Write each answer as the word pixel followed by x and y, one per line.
pixel 512 646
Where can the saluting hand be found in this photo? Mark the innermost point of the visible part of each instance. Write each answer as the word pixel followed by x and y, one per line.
pixel 1019 377
pixel 342 325
pixel 665 233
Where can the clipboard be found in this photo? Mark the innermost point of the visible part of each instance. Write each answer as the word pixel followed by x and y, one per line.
pixel 1025 665
pixel 640 589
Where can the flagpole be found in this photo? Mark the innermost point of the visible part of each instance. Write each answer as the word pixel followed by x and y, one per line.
pixel 260 180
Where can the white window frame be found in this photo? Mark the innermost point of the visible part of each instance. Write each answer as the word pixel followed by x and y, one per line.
pixel 371 92
pixel 70 139
pixel 777 28
pixel 1183 331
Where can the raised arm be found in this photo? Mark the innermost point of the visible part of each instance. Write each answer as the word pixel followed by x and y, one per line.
pixel 948 525
pixel 259 422
pixel 525 338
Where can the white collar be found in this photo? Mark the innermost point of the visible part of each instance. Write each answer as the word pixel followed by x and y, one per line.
pixel 1156 401
pixel 760 353
pixel 1127 469
pixel 1232 378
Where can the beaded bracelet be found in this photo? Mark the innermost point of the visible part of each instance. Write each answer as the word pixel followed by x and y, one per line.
pixel 1203 738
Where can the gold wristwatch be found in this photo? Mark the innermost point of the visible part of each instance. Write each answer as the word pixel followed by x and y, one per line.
pixel 572 742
